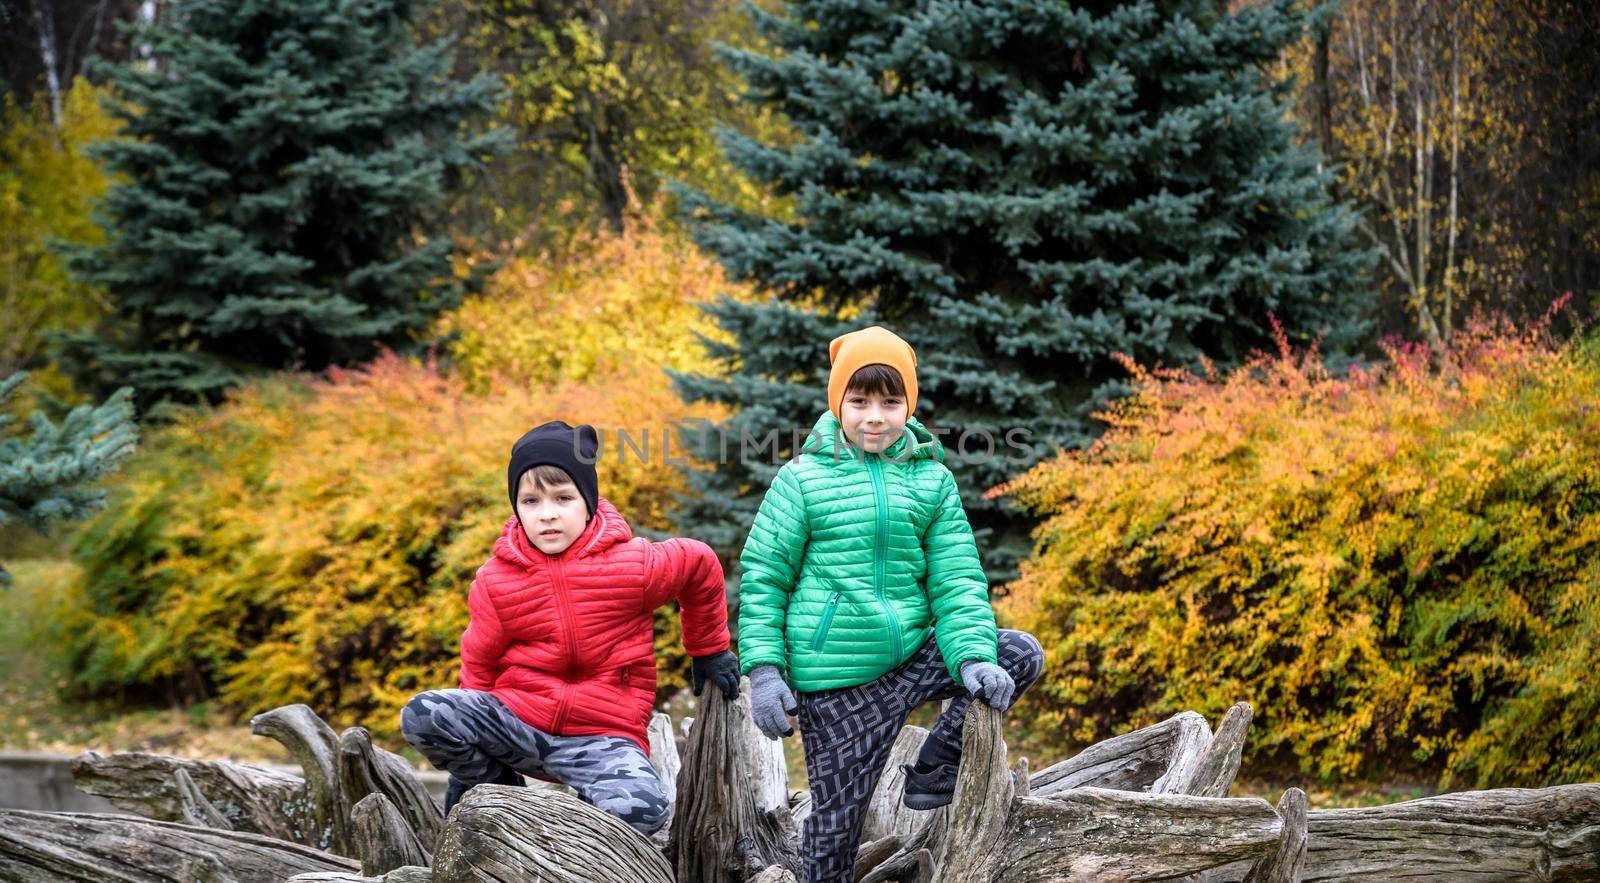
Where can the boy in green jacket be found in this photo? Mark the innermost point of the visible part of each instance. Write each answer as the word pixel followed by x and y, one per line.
pixel 859 553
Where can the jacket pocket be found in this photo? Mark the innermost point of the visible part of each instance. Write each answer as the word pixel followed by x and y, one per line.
pixel 827 620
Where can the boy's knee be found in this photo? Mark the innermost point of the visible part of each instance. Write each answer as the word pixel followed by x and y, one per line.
pixel 416 718
pixel 642 805
pixel 653 815
pixel 1022 655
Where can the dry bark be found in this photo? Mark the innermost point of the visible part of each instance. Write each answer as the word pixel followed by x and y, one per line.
pixel 38 847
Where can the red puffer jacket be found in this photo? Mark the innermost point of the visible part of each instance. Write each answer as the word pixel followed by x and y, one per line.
pixel 566 642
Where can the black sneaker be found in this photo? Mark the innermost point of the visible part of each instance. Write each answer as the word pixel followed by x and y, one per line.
pixel 931 789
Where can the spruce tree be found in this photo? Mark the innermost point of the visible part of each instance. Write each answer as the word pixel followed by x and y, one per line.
pixel 285 173
pixel 1021 189
pixel 49 474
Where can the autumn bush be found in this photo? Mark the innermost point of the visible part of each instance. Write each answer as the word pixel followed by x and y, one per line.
pixel 312 538
pixel 601 304
pixel 1399 567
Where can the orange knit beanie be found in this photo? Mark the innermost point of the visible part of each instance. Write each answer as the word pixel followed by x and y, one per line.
pixel 877 345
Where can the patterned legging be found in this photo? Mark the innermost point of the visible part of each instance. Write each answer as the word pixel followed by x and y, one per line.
pixel 848 733
pixel 470 734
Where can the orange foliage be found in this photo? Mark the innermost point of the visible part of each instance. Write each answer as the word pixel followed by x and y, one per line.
pixel 1399 567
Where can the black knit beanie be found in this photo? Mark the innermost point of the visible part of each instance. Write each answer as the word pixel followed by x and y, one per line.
pixel 573 449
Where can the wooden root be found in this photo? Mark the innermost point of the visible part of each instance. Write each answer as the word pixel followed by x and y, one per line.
pixel 40 846
pixel 726 827
pixel 1147 805
pixel 508 835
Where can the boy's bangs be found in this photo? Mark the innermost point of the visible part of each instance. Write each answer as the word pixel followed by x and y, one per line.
pixel 544 478
pixel 877 380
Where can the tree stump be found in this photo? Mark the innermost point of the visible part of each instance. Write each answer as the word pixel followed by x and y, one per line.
pixel 725 828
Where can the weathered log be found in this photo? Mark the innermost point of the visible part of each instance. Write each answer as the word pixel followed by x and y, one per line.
pixel 366 769
pixel 383 838
pixel 508 835
pixel 41 846
pixel 1503 834
pixel 194 807
pixel 876 853
pixel 736 820
pixel 1213 773
pixel 253 799
pixel 983 800
pixel 1189 743
pixel 886 812
pixel 1285 864
pixel 315 747
pixel 1129 762
pixel 1099 834
pixel 724 829
pixel 1020 783
pixel 409 874
pixel 664 755
pixel 992 833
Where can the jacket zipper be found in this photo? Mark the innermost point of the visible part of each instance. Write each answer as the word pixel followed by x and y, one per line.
pixel 827 620
pixel 874 468
pixel 564 609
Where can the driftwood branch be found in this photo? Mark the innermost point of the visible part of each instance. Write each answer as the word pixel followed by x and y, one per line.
pixel 383 837
pixel 1219 762
pixel 509 835
pixel 366 769
pixel 39 846
pixel 1146 805
pixel 1504 834
pixel 1098 834
pixel 252 799
pixel 725 828
pixel 314 746
pixel 1285 864
pixel 886 813
pixel 1130 762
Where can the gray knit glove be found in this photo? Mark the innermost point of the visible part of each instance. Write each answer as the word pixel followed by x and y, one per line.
pixel 988 682
pixel 771 702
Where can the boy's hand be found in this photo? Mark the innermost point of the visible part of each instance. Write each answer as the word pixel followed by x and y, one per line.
pixel 771 702
pixel 988 682
pixel 722 668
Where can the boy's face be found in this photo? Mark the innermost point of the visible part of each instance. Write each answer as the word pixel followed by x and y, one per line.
pixel 552 515
pixel 872 421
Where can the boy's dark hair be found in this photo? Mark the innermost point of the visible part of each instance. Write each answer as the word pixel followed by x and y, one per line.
pixel 877 380
pixel 546 476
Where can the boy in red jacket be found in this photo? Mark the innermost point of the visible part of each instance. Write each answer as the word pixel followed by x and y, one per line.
pixel 558 670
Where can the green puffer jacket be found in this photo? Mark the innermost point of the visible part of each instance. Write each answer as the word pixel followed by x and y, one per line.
pixel 852 559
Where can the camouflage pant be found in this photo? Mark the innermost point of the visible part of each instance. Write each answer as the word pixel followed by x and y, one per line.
pixel 848 733
pixel 468 732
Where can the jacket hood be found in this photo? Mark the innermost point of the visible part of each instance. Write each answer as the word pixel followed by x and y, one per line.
pixel 828 440
pixel 606 529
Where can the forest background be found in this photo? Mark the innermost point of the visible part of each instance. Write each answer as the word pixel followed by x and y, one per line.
pixel 1293 301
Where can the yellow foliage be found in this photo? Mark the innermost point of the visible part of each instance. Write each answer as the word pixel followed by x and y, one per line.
pixel 1399 568
pixel 312 539
pixel 47 184
pixel 612 303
